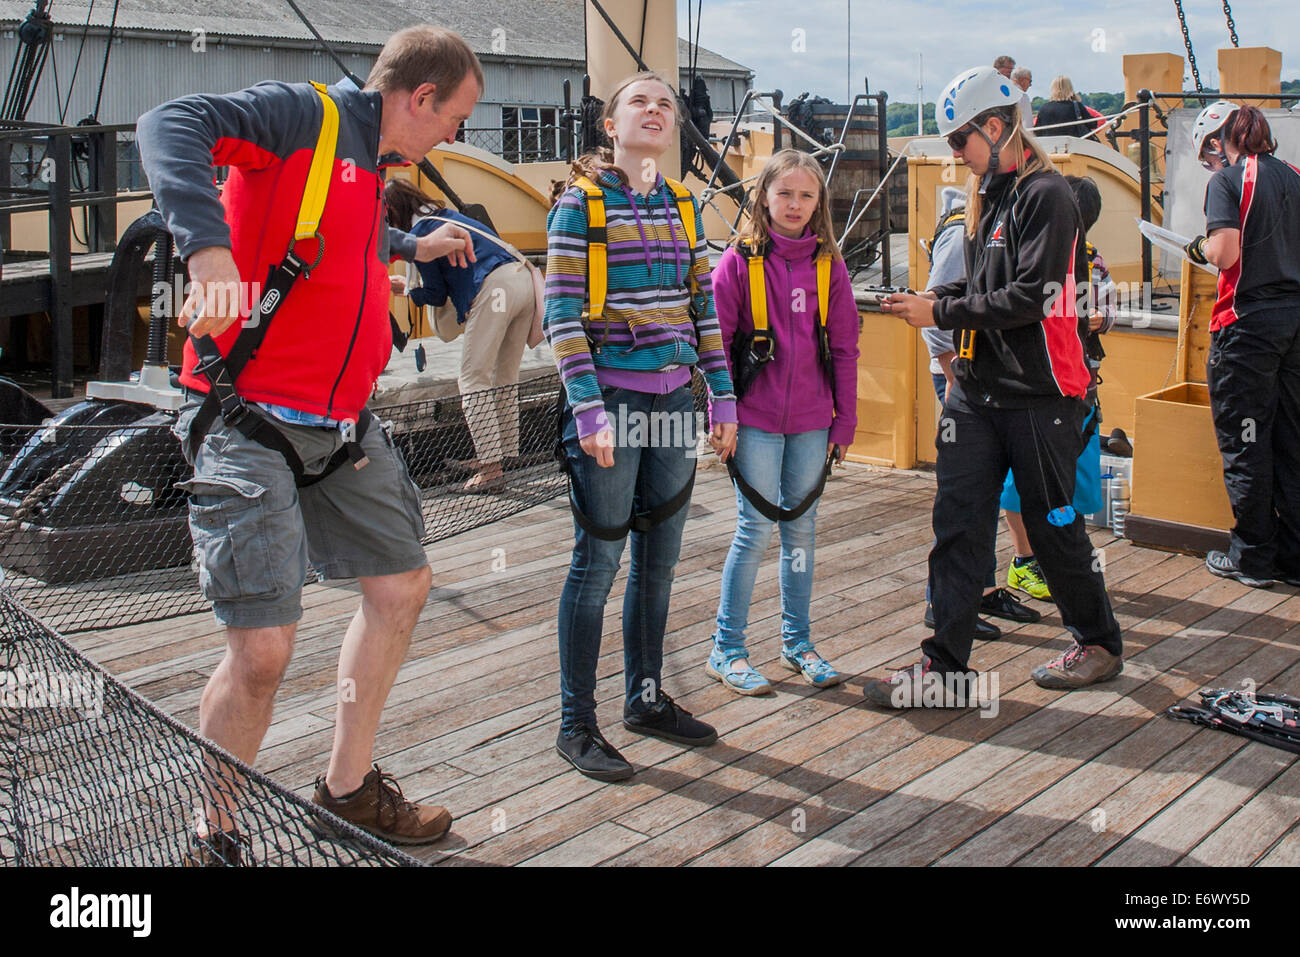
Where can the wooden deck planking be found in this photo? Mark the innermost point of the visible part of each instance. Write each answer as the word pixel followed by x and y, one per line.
pixel 802 776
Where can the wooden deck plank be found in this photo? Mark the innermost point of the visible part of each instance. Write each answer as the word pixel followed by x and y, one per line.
pixel 1249 833
pixel 801 776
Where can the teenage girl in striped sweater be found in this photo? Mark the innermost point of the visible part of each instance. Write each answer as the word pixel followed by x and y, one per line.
pixel 630 367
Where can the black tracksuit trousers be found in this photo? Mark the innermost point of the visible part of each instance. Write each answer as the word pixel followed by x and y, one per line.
pixel 1254 378
pixel 1040 445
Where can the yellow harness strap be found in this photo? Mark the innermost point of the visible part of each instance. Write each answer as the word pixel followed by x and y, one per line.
pixel 823 287
pixel 758 288
pixel 597 249
pixel 322 166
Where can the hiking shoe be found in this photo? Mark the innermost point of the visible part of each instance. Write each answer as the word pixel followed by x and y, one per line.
pixel 221 849
pixel 916 686
pixel 379 808
pixel 1220 564
pixel 1029 579
pixel 744 680
pixel 984 630
pixel 1081 665
pixel 671 722
pixel 587 750
pixel 1117 443
pixel 817 671
pixel 1000 603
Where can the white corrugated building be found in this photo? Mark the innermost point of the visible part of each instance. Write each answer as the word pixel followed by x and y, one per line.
pixel 165 48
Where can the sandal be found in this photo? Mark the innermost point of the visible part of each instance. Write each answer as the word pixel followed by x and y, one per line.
pixel 816 671
pixel 744 681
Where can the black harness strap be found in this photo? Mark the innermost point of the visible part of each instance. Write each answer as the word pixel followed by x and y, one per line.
pixel 222 372
pixel 771 512
pixel 638 521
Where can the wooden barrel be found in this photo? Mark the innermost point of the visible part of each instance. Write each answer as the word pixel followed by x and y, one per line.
pixel 858 167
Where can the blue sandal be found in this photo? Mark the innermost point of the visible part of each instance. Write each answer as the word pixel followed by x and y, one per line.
pixel 817 671
pixel 745 681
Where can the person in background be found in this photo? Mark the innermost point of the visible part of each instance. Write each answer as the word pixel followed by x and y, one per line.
pixel 493 297
pixel 1063 107
pixel 1004 65
pixel 1252 225
pixel 1096 318
pixel 1024 79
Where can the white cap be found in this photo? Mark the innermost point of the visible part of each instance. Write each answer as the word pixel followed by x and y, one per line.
pixel 970 93
pixel 1210 121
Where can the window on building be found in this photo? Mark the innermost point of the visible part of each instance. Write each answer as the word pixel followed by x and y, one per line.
pixel 529 134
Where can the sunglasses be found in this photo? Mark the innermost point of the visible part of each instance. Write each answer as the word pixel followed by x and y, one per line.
pixel 958 139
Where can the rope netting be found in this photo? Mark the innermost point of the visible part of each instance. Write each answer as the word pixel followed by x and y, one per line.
pixel 92 774
pixel 94 534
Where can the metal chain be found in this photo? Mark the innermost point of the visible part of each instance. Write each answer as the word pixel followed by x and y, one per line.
pixel 1232 27
pixel 1187 42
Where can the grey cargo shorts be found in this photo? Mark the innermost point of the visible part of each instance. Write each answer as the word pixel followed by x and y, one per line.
pixel 255 532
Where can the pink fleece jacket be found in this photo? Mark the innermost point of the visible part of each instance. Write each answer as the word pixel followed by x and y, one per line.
pixel 793 393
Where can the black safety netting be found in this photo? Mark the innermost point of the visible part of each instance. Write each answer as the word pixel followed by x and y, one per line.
pixel 92 774
pixel 94 533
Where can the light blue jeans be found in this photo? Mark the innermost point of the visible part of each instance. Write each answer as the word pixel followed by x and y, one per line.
pixel 783 469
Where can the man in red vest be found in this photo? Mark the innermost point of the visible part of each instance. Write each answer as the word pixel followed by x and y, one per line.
pixel 268 498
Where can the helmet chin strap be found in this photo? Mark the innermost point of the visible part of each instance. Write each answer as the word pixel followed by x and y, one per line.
pixel 994 150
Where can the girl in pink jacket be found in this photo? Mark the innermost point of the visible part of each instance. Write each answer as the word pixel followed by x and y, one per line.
pixel 794 357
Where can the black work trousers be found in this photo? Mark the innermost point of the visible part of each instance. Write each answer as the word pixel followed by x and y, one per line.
pixel 1254 378
pixel 1040 445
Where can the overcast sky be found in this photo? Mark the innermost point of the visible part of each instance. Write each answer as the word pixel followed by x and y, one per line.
pixel 1087 41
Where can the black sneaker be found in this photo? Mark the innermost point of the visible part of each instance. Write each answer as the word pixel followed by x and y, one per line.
pixel 1000 603
pixel 984 630
pixel 588 751
pixel 671 722
pixel 1221 565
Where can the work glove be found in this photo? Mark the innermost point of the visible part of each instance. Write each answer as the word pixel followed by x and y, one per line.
pixel 1196 250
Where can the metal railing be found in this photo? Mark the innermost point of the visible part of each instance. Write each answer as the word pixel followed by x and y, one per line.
pixel 528 144
pixel 60 169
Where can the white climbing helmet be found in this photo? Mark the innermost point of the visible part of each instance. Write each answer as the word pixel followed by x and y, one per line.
pixel 969 94
pixel 1209 122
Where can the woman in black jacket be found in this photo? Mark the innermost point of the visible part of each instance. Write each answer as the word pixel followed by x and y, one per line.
pixel 1017 401
pixel 1252 217
pixel 1064 107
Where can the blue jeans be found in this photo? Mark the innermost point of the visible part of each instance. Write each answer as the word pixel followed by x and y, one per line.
pixel 783 469
pixel 648 470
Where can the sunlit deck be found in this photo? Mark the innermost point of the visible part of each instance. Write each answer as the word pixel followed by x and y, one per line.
pixel 801 776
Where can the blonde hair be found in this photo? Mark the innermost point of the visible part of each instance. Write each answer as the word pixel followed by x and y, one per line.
pixel 1019 141
pixel 1062 88
pixel 602 158
pixel 759 228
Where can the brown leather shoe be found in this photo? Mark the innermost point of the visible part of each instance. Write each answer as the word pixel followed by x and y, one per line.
pixel 380 809
pixel 215 850
pixel 1082 665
